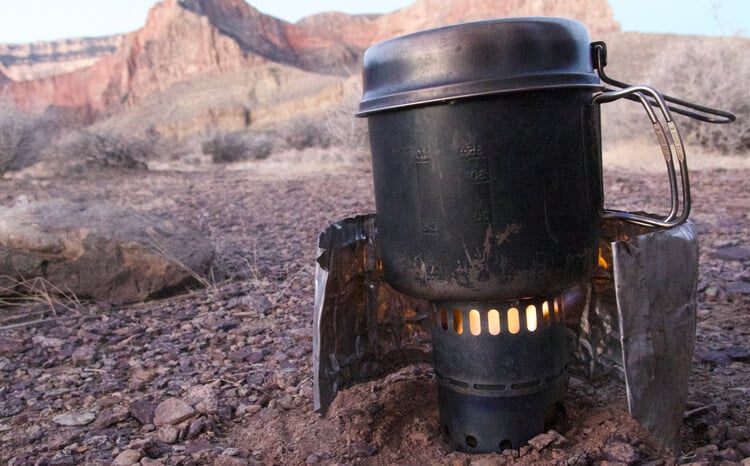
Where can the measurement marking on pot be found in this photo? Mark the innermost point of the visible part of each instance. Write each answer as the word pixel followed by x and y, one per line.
pixel 423 155
pixel 481 215
pixel 428 193
pixel 429 227
pixel 477 170
pixel 471 150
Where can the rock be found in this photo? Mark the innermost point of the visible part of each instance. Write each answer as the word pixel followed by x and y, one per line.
pixel 712 292
pixel 42 59
pixel 196 446
pixel 738 288
pixel 733 253
pixel 744 448
pixel 241 354
pixel 74 419
pixel 224 460
pixel 146 461
pixel 714 357
pixel 197 427
pixel 621 452
pixel 111 416
pixel 203 398
pixel 362 450
pixel 172 411
pixel 549 438
pixel 63 460
pixel 127 458
pixel 84 355
pixel 740 433
pixel 723 243
pixel 224 325
pixel 231 451
pixel 745 462
pixel 143 410
pixel 706 452
pixel 248 410
pixel 157 449
pixel 717 433
pixel 102 252
pixel 168 434
pixel 729 454
pixel 196 37
pixel 10 347
pixel 739 354
pixel 45 342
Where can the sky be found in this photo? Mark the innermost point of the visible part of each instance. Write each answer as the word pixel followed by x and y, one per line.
pixel 34 20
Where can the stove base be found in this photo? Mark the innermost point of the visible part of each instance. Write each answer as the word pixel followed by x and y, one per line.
pixel 480 424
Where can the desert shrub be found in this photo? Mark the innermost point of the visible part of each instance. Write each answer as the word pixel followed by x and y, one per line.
pixel 344 129
pixel 22 136
pixel 106 148
pixel 715 77
pixel 306 132
pixel 238 146
pixel 705 70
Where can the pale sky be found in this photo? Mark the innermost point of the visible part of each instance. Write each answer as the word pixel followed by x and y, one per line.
pixel 31 20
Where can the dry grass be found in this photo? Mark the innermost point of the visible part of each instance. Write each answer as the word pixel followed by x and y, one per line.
pixel 33 301
pixel 158 244
pixel 643 155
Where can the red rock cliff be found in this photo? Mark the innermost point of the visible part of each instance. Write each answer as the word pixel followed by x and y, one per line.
pixel 182 38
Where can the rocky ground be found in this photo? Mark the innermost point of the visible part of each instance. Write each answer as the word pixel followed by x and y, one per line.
pixel 222 375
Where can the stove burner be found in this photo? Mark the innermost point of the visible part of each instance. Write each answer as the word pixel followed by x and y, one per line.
pixel 500 368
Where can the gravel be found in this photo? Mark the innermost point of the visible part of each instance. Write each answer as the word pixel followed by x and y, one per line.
pixel 222 374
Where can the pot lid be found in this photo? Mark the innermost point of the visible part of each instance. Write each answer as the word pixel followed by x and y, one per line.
pixel 478 58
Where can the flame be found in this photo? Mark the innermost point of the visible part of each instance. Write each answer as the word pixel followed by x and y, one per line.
pixel 475 325
pixel 602 263
pixel 514 320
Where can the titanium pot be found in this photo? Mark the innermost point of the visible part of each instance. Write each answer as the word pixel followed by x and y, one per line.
pixel 486 152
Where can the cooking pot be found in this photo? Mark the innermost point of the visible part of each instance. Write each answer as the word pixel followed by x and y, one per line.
pixel 486 152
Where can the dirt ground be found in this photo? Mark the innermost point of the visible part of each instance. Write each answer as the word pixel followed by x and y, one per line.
pixel 89 383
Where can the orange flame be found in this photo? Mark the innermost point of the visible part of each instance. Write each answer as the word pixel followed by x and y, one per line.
pixel 602 263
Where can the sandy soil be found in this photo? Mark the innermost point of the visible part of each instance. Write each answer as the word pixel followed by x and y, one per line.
pixel 238 352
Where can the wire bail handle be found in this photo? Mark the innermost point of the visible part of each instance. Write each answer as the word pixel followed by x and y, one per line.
pixel 670 142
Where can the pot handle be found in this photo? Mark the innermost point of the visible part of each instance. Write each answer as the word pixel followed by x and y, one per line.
pixel 683 107
pixel 668 141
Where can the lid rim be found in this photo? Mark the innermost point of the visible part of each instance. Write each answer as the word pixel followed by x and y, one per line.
pixel 412 98
pixel 478 58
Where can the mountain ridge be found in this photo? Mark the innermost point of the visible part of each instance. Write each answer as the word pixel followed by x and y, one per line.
pixel 184 38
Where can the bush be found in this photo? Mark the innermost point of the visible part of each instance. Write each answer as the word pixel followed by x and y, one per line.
pixel 303 133
pixel 107 149
pixel 705 70
pixel 238 146
pixel 708 80
pixel 22 136
pixel 346 130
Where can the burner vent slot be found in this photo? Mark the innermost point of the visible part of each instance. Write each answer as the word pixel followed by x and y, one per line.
pixel 516 319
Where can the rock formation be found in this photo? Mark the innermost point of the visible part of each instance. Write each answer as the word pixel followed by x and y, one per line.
pixel 184 38
pixel 23 62
pixel 97 251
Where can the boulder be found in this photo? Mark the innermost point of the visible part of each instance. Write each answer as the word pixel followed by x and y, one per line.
pixel 101 252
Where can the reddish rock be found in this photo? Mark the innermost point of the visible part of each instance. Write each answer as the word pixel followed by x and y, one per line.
pixel 189 37
pixel 172 411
